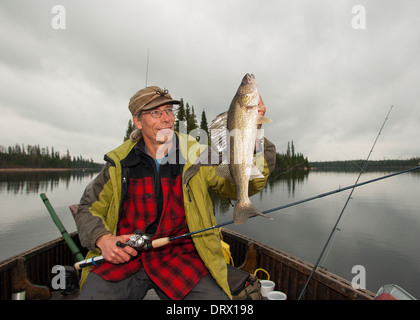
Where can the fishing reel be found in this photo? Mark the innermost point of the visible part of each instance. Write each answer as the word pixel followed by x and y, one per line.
pixel 139 241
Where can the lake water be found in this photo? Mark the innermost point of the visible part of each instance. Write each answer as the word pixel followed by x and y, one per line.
pixel 379 229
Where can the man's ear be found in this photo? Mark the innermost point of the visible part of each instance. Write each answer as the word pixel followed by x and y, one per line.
pixel 137 122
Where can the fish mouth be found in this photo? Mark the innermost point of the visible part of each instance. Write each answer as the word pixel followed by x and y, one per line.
pixel 249 77
pixel 248 80
pixel 249 86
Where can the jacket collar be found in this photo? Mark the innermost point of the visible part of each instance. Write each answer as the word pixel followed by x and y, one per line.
pixel 138 154
pixel 188 150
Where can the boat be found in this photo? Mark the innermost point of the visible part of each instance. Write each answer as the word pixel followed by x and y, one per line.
pixel 30 275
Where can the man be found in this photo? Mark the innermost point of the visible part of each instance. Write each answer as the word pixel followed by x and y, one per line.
pixel 156 185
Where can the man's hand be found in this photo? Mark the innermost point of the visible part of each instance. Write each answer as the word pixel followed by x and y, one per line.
pixel 111 253
pixel 258 140
pixel 261 110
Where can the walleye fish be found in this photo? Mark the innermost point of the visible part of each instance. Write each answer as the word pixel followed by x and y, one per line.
pixel 241 122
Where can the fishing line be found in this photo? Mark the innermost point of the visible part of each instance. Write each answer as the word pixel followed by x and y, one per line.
pixel 342 211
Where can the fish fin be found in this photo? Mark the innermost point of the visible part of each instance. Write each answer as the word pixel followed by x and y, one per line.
pixel 254 172
pixel 262 120
pixel 244 210
pixel 218 131
pixel 220 121
pixel 223 171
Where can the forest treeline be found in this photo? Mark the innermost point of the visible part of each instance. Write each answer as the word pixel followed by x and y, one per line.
pixel 357 165
pixel 29 156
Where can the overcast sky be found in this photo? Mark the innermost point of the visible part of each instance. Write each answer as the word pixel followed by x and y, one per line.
pixel 328 80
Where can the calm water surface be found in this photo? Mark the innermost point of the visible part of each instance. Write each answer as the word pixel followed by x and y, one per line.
pixel 379 230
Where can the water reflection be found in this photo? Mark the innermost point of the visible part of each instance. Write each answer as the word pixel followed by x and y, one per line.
pixel 380 230
pixel 28 182
pixel 291 179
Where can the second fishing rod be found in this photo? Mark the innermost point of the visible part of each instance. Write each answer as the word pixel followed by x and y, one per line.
pixel 362 170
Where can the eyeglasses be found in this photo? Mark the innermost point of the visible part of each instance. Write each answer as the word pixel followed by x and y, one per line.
pixel 158 113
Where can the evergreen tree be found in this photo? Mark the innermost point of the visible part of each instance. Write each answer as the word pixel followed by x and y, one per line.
pixel 291 159
pixel 293 150
pixel 130 128
pixel 192 121
pixel 187 114
pixel 203 124
pixel 180 117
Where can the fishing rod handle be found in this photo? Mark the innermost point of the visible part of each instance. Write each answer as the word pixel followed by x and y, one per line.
pixel 88 262
pixel 96 260
pixel 160 242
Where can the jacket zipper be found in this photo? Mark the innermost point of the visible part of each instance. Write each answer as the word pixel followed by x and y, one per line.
pixel 188 191
pixel 124 188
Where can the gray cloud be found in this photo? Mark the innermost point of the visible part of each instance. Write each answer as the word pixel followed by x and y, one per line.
pixel 327 86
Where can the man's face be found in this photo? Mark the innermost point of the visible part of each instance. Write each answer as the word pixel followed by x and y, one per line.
pixel 156 130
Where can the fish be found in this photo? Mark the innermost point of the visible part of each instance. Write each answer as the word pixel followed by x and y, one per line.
pixel 241 122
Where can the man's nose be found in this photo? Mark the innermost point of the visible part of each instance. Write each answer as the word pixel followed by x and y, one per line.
pixel 165 117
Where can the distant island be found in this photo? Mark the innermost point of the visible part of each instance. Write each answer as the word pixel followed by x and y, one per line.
pixel 357 165
pixel 292 160
pixel 35 157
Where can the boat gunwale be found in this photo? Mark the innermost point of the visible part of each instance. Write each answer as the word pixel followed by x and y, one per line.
pixel 323 277
pixel 31 253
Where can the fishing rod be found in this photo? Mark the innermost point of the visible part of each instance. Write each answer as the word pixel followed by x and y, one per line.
pixel 344 208
pixel 166 240
pixel 73 247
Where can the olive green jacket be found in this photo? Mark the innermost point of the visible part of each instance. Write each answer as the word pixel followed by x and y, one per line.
pixel 99 207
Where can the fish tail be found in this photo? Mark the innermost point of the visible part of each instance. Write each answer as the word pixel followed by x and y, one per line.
pixel 244 210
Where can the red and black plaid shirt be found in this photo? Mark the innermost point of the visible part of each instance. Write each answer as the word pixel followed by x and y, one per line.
pixel 175 268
